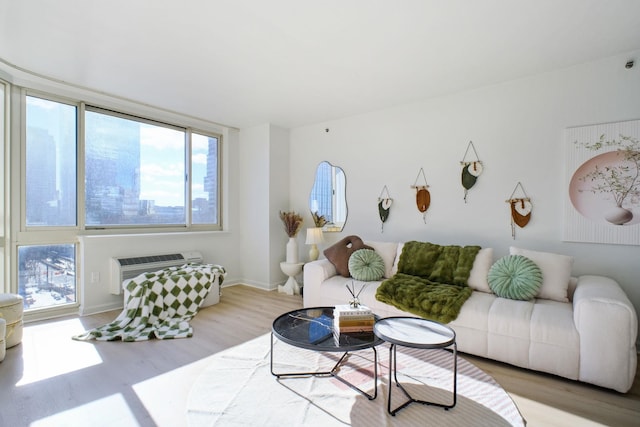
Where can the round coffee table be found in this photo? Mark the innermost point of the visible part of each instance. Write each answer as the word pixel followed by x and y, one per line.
pixel 416 333
pixel 312 329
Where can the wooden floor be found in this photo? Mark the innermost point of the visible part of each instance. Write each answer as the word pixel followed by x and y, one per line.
pixel 52 380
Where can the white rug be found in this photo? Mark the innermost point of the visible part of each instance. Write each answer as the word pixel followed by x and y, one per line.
pixel 237 389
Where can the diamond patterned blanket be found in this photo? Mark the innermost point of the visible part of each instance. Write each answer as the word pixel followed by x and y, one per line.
pixel 160 304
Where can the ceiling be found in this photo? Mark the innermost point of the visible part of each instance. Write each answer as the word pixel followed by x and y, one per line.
pixel 295 62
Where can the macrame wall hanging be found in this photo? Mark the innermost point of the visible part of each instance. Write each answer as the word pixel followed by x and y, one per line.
pixel 423 197
pixel 471 170
pixel 520 209
pixel 384 206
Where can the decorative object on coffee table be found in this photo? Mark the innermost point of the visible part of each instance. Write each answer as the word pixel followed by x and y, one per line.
pixel 349 320
pixel 354 302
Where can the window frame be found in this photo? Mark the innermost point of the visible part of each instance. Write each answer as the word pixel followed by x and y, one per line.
pixel 81 228
pixel 17 234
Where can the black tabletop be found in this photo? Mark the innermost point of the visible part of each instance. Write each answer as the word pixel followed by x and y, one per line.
pixel 312 329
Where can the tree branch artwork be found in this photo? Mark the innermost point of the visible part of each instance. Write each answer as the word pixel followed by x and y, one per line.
pixel 621 180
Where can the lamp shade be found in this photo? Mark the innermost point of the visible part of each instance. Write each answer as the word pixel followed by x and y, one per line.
pixel 314 236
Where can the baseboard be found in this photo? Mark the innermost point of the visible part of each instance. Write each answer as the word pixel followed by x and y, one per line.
pixel 88 311
pixel 252 284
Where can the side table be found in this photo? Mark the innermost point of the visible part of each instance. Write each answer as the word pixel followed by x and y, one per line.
pixel 291 269
pixel 416 333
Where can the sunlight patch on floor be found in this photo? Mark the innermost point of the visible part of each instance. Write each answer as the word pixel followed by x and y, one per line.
pixel 109 411
pixel 45 355
pixel 161 404
pixel 548 415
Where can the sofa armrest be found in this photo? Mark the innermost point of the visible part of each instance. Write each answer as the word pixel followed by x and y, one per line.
pixel 608 328
pixel 314 274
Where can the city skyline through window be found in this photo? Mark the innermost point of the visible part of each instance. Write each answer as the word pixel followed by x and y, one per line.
pixel 137 174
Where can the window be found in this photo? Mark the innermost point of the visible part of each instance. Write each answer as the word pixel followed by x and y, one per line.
pixel 50 163
pixel 120 172
pixel 137 173
pixel 204 183
pixel 47 275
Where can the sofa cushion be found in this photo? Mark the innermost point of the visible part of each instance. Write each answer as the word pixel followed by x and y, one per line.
pixel 509 325
pixel 515 277
pixel 396 261
pixel 471 325
pixel 480 270
pixel 340 252
pixel 366 265
pixel 556 272
pixel 387 250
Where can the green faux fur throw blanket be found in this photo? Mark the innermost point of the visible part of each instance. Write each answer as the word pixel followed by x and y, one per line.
pixel 431 280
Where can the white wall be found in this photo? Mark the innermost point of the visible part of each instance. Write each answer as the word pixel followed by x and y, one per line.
pixel 263 192
pixel 278 201
pixel 517 129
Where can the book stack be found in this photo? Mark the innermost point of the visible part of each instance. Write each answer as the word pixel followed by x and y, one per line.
pixel 350 320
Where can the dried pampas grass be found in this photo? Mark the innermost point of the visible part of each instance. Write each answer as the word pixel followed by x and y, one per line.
pixel 292 223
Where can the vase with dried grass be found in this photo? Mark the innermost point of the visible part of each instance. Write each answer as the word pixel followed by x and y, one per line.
pixel 292 224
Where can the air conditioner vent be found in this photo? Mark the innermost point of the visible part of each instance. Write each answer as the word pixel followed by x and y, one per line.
pixel 126 268
pixel 149 259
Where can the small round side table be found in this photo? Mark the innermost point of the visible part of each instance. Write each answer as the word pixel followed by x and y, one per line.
pixel 416 333
pixel 291 269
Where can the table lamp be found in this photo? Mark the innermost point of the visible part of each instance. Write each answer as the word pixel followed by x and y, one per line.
pixel 314 236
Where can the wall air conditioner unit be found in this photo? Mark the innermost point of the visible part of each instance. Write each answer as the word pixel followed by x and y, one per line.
pixel 126 268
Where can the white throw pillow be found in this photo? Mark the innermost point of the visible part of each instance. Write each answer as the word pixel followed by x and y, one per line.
pixel 556 272
pixel 387 250
pixel 394 269
pixel 480 271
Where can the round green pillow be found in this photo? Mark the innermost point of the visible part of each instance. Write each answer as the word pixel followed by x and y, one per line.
pixel 366 265
pixel 515 277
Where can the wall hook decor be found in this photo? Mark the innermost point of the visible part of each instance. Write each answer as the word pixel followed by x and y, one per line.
pixel 423 197
pixel 471 170
pixel 384 206
pixel 520 209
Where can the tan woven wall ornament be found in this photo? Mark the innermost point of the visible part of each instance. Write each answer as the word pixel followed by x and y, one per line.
pixel 423 197
pixel 521 208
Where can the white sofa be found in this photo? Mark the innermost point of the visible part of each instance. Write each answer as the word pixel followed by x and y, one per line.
pixel 591 337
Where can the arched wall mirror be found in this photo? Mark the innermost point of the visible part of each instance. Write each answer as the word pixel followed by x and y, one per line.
pixel 329 196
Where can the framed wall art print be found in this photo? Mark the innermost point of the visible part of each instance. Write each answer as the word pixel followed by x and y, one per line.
pixel 603 183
